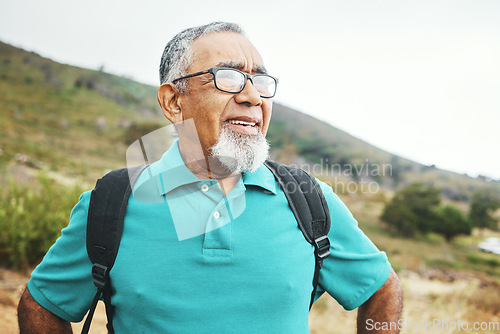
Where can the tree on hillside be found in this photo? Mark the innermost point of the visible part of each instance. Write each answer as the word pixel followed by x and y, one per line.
pixel 412 209
pixel 482 206
pixel 451 222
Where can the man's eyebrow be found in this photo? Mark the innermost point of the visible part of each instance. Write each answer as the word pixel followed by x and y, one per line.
pixel 259 69
pixel 240 66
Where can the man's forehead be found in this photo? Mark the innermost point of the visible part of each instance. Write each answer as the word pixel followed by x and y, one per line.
pixel 227 49
pixel 257 68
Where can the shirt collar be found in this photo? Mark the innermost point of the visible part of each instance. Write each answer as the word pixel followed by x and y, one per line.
pixel 262 177
pixel 174 172
pixel 170 172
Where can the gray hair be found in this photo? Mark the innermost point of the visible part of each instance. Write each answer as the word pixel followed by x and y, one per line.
pixel 177 55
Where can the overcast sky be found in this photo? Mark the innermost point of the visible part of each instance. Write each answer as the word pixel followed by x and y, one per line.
pixel 417 78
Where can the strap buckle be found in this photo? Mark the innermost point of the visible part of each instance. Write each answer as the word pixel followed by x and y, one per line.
pixel 100 275
pixel 322 245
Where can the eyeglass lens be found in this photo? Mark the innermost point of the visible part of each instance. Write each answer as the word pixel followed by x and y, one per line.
pixel 233 81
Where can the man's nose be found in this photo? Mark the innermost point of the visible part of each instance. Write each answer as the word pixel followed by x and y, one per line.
pixel 249 95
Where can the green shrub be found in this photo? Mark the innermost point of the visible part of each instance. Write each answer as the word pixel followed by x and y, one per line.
pixel 416 210
pixel 30 221
pixel 483 204
pixel 451 222
pixel 412 210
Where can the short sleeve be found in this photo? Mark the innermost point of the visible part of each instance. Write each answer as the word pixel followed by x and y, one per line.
pixel 62 282
pixel 355 269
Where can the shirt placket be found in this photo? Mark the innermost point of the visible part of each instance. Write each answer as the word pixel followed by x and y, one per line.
pixel 218 241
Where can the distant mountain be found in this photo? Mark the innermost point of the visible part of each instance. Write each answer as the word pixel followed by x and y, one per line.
pixel 77 123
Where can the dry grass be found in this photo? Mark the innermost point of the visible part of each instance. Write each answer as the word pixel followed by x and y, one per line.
pixel 327 316
pixel 449 282
pixel 425 301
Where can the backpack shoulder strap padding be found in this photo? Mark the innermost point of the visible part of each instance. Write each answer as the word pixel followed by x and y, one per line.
pixel 107 209
pixel 108 204
pixel 305 198
pixel 309 207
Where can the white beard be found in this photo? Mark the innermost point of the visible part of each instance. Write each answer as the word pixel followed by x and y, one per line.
pixel 240 153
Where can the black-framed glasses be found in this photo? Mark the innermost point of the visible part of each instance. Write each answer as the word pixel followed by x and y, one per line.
pixel 231 80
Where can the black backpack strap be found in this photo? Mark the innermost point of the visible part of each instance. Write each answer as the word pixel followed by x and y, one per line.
pixel 309 207
pixel 107 208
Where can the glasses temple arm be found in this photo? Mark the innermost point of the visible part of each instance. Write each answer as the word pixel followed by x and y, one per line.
pixel 191 75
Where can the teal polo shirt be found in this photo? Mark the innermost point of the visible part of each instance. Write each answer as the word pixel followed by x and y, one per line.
pixel 192 260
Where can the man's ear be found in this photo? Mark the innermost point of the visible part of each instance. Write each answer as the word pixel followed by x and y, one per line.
pixel 168 98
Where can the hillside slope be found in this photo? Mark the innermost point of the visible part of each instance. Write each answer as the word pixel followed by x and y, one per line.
pixel 67 118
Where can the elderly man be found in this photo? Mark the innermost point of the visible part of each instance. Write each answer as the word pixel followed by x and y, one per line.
pixel 188 264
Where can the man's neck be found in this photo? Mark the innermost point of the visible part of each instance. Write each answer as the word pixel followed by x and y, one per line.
pixel 207 167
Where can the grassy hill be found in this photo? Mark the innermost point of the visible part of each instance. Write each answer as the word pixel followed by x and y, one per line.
pixel 66 118
pixel 77 123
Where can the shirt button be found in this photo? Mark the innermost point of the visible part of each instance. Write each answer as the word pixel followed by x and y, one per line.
pixel 216 215
pixel 204 187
